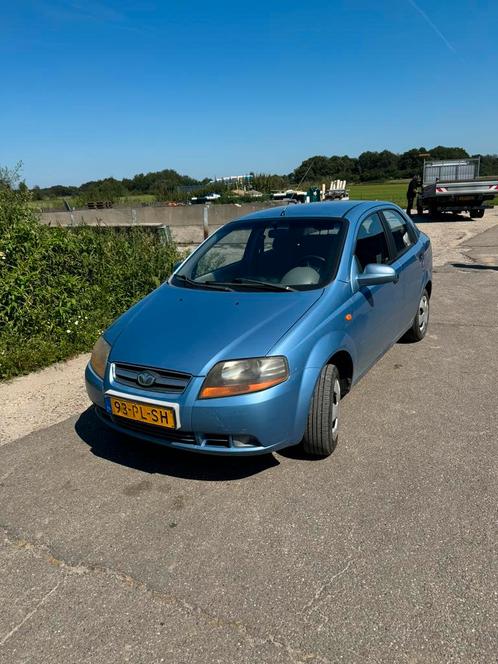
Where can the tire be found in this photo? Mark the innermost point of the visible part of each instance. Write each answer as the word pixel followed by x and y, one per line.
pixel 321 435
pixel 476 214
pixel 434 212
pixel 420 323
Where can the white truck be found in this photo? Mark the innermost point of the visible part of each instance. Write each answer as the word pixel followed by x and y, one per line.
pixel 453 185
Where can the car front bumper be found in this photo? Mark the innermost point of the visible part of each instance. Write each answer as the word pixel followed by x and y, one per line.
pixel 248 424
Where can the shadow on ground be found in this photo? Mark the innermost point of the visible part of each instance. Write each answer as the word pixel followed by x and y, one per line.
pixel 147 457
pixel 428 219
pixel 475 266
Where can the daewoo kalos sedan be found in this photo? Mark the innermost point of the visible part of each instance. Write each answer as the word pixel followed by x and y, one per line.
pixel 256 337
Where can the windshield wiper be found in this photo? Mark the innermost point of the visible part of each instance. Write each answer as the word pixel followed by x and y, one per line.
pixel 242 281
pixel 204 284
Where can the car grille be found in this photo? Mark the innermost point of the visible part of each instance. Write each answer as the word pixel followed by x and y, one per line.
pixel 172 382
pixel 174 435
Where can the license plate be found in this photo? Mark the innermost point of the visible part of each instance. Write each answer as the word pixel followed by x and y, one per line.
pixel 466 198
pixel 142 412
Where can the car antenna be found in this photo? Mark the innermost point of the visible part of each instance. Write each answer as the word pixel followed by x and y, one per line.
pixel 301 180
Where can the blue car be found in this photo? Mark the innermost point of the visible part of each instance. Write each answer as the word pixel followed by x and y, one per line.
pixel 253 341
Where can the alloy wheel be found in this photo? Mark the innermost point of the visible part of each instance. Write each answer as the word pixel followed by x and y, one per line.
pixel 423 313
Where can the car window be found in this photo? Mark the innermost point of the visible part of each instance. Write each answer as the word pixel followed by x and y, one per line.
pixel 399 230
pixel 300 253
pixel 371 243
pixel 230 249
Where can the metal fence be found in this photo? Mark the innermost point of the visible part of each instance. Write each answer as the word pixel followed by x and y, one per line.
pixel 454 170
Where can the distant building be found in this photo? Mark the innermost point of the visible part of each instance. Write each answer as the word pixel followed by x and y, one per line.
pixel 235 179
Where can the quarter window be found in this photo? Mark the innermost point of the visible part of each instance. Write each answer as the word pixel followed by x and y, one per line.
pixel 371 243
pixel 399 230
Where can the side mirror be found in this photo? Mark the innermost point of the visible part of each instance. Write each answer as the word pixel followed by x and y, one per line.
pixel 377 274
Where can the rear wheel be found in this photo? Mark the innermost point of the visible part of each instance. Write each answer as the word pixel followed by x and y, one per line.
pixel 476 214
pixel 421 321
pixel 322 429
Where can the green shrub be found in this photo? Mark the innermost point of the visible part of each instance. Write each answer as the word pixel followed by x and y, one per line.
pixel 60 287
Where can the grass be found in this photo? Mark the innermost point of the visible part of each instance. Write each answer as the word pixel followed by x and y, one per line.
pixel 48 203
pixel 394 192
pixel 58 202
pixel 135 199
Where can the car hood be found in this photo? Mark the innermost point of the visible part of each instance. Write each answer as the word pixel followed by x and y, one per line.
pixel 189 330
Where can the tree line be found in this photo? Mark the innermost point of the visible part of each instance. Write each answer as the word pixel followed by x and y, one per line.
pixel 162 184
pixel 369 166
pixel 385 165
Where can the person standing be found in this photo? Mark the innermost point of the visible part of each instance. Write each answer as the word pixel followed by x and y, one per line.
pixel 411 193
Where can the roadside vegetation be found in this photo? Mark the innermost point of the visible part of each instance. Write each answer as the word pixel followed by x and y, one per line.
pixel 60 287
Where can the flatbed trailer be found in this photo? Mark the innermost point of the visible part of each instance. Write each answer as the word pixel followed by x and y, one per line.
pixel 453 185
pixel 336 192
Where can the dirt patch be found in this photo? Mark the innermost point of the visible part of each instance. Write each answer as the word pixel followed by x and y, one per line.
pixel 42 398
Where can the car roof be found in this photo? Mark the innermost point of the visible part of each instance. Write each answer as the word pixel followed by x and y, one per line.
pixel 351 210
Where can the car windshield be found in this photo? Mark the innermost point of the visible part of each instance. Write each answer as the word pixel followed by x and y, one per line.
pixel 280 255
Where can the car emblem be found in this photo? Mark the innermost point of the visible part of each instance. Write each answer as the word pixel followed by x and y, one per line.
pixel 146 379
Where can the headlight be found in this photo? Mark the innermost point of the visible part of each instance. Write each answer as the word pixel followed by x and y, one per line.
pixel 100 353
pixel 233 377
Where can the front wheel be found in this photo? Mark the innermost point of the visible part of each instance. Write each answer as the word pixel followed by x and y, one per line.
pixel 421 321
pixel 322 429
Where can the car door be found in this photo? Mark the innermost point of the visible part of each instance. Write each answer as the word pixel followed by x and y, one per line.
pixel 374 308
pixel 404 248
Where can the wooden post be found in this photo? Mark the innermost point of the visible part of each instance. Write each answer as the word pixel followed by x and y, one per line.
pixel 205 222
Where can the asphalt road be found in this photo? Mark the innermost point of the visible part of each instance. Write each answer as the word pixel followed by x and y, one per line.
pixel 116 551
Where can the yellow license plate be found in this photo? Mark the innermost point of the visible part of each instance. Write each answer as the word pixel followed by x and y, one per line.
pixel 142 412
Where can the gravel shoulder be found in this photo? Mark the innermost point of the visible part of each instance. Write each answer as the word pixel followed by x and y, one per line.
pixel 42 398
pixel 449 238
pixel 46 397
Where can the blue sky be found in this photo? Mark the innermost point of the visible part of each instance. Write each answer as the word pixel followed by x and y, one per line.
pixel 93 89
